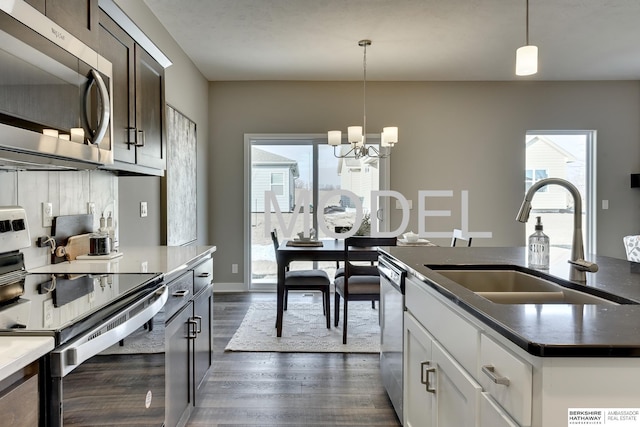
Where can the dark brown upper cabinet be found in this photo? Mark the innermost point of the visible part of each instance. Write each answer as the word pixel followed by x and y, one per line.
pixel 79 17
pixel 138 116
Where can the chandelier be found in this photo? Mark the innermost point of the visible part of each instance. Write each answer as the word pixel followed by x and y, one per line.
pixel 357 135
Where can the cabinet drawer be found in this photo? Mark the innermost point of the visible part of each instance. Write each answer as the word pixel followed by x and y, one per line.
pixel 459 337
pixel 202 275
pixel 180 293
pixel 492 415
pixel 497 363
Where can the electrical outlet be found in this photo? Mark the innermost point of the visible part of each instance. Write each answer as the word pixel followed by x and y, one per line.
pixel 143 209
pixel 47 318
pixel 91 208
pixel 47 214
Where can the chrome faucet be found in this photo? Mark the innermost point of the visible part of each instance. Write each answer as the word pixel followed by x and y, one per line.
pixel 577 261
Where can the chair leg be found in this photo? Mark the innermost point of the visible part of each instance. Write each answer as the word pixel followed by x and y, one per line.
pixel 336 304
pixel 324 304
pixel 373 304
pixel 327 302
pixel 344 322
pixel 286 298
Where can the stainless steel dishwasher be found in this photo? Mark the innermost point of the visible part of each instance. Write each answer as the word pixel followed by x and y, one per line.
pixel 392 279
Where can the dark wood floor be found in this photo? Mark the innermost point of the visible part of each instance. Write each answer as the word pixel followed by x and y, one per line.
pixel 287 389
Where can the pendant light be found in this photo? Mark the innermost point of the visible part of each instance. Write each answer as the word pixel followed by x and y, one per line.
pixel 527 56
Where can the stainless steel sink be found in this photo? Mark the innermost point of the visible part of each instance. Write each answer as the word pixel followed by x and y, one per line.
pixel 506 286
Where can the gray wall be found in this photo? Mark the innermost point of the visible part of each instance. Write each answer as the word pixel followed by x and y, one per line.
pixel 453 136
pixel 185 90
pixel 134 230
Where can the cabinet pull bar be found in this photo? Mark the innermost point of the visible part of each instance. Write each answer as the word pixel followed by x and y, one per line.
pixel 181 293
pixel 131 137
pixel 424 376
pixel 198 319
pixel 140 141
pixel 203 275
pixel 490 371
pixel 192 332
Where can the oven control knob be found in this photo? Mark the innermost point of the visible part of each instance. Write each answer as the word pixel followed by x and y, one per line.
pixel 5 225
pixel 18 224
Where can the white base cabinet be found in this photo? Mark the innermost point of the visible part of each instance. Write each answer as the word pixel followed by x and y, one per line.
pixel 460 372
pixel 439 392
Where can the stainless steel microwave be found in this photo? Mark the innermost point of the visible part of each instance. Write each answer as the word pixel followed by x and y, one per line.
pixel 55 103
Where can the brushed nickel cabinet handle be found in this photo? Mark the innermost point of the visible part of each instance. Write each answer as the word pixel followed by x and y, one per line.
pixel 490 371
pixel 181 293
pixel 192 332
pixel 198 320
pixel 424 375
pixel 140 141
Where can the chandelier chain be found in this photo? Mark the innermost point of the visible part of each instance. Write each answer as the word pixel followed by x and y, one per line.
pixel 364 44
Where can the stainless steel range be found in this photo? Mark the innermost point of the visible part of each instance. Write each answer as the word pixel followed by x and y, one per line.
pixel 108 365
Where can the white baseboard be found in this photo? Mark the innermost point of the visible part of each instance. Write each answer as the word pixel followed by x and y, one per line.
pixel 230 287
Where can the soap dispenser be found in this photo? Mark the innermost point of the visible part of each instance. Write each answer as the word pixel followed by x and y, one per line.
pixel 539 248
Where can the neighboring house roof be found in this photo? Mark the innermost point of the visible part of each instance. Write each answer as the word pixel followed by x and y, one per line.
pixel 541 139
pixel 265 158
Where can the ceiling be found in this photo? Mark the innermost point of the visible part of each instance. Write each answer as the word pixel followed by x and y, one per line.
pixel 413 40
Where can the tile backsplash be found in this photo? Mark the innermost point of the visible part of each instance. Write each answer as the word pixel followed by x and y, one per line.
pixel 68 191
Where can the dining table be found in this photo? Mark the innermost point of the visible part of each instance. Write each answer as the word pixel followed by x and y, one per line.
pixel 319 250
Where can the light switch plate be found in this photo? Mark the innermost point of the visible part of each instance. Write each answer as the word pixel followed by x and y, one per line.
pixel 143 209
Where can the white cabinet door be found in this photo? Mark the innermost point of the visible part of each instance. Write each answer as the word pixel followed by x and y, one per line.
pixel 418 401
pixel 457 393
pixel 492 415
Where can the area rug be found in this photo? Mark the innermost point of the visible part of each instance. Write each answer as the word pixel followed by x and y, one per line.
pixel 305 330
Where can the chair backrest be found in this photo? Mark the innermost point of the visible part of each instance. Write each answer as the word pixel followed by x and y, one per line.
pixel 274 239
pixel 363 242
pixel 457 235
pixel 632 247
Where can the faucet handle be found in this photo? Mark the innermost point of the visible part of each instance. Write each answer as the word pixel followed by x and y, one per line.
pixel 584 265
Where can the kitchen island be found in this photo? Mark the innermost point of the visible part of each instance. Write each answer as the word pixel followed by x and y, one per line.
pixel 515 364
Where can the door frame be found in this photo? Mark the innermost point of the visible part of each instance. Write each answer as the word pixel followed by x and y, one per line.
pixel 315 138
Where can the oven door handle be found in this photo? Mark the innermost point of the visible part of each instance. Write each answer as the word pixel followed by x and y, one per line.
pixel 68 357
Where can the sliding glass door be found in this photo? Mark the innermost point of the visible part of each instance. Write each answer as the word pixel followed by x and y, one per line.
pixel 296 180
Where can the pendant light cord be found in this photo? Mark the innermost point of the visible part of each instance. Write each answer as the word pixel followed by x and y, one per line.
pixel 527 25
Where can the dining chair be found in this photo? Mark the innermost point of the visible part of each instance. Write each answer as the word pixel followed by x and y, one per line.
pixel 306 280
pixel 457 235
pixel 632 247
pixel 359 282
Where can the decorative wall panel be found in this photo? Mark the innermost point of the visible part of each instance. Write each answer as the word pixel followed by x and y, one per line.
pixel 180 179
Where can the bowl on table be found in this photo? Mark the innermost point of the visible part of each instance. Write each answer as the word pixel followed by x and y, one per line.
pixel 411 237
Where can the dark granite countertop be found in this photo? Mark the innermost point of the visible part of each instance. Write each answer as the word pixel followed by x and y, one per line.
pixel 546 330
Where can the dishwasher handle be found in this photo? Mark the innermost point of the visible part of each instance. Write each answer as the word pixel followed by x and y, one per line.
pixel 392 273
pixel 68 357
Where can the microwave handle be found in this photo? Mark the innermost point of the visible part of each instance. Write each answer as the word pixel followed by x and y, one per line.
pixel 96 136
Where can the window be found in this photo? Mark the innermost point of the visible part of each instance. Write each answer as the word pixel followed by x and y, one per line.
pixel 569 155
pixel 277 183
pixel 534 175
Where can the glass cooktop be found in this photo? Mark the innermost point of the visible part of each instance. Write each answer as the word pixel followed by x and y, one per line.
pixel 64 305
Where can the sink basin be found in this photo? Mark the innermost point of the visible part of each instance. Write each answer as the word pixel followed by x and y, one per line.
pixel 512 286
